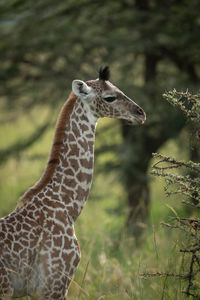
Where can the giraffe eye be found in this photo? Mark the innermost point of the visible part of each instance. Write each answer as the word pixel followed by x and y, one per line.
pixel 110 98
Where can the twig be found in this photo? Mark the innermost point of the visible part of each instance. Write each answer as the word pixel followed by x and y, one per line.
pixel 159 274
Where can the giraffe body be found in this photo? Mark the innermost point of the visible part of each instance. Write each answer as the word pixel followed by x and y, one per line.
pixel 39 252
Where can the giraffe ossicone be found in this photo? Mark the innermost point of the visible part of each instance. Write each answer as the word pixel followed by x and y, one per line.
pixel 39 252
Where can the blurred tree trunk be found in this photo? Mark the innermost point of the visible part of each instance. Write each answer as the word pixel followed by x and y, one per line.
pixel 135 168
pixel 139 144
pixel 136 182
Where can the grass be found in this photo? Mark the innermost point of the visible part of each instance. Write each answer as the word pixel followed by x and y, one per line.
pixel 112 266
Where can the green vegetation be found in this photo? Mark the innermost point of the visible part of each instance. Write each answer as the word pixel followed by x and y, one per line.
pixel 183 179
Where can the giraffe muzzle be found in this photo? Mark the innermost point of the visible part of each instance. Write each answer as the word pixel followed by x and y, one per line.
pixel 139 115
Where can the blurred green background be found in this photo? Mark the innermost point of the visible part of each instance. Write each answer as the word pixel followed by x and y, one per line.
pixel 151 46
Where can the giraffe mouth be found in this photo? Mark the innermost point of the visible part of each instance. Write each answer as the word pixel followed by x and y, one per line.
pixel 136 121
pixel 140 120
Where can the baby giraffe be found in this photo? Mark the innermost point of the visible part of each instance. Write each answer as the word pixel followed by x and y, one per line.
pixel 39 252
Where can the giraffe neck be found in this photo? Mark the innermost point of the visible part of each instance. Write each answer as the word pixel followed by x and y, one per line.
pixel 72 178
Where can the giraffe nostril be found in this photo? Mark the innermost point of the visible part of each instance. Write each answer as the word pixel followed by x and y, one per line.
pixel 140 111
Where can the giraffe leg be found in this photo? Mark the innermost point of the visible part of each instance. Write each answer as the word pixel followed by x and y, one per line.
pixel 48 296
pixel 6 289
pixel 58 292
pixel 51 292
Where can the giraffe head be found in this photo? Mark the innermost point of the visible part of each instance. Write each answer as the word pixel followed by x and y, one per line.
pixel 103 99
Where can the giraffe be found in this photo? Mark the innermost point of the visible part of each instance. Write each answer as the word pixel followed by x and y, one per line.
pixel 39 251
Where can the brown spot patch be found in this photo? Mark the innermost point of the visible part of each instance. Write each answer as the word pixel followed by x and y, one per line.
pixel 73 212
pixel 88 164
pixel 70 231
pixel 84 127
pixel 17 247
pixel 84 177
pixel 57 241
pixel 76 261
pixel 74 164
pixel 74 150
pixel 81 192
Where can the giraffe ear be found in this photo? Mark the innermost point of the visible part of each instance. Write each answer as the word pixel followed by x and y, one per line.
pixel 80 88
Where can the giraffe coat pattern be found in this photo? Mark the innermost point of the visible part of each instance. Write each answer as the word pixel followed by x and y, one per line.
pixel 39 252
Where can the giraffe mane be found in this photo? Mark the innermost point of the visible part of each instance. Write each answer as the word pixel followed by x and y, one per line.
pixel 55 150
